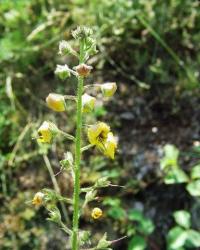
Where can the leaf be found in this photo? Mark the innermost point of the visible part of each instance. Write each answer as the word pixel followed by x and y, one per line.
pixel 194 188
pixel 170 158
pixel 195 173
pixel 193 238
pixel 176 176
pixel 135 215
pixel 137 243
pixel 117 213
pixel 176 237
pixel 182 218
pixel 147 226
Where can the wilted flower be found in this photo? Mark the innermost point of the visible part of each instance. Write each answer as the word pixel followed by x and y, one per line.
pixel 62 71
pixel 38 199
pixel 83 69
pixel 88 103
pixel 108 89
pixel 56 102
pixel 46 132
pixel 96 213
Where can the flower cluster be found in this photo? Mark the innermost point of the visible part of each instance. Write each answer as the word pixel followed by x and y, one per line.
pixel 99 134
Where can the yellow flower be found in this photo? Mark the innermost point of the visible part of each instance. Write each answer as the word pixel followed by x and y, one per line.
pixel 88 103
pixel 56 102
pixel 38 199
pixel 46 132
pixel 100 136
pixel 108 89
pixel 97 134
pixel 110 146
pixel 96 213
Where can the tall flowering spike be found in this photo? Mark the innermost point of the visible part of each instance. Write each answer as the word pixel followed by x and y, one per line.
pixel 62 71
pixel 98 133
pixel 83 69
pixel 38 199
pixel 56 102
pixel 96 213
pixel 108 89
pixel 88 103
pixel 46 132
pixel 110 146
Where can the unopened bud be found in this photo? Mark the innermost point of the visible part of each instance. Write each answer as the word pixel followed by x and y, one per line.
pixel 102 182
pixel 90 196
pixel 54 215
pixel 62 71
pixel 82 32
pixel 108 89
pixel 65 48
pixel 56 102
pixel 88 103
pixel 83 69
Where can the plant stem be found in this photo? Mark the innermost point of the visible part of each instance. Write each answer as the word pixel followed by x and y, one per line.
pixel 75 244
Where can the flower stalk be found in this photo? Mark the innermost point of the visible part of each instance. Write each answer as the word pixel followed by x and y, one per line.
pixel 99 135
pixel 77 154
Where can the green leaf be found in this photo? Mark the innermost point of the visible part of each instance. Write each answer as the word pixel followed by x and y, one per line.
pixel 137 243
pixel 182 218
pixel 146 227
pixel 193 238
pixel 195 173
pixel 117 213
pixel 176 237
pixel 170 158
pixel 176 176
pixel 194 188
pixel 135 215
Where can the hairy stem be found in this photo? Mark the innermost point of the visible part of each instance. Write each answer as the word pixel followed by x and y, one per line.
pixel 75 244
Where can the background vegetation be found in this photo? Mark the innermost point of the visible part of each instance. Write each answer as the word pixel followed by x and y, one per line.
pixel 151 49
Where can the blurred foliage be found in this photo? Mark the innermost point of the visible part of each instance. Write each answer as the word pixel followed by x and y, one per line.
pixel 151 45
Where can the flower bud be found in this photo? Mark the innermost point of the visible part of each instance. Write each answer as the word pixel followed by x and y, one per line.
pixel 83 69
pixel 108 89
pixel 90 196
pixel 96 213
pixel 38 199
pixel 82 32
pixel 62 71
pixel 65 48
pixel 56 102
pixel 88 103
pixel 54 215
pixel 46 132
pixel 102 182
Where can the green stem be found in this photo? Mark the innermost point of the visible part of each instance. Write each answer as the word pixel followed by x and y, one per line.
pixel 75 244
